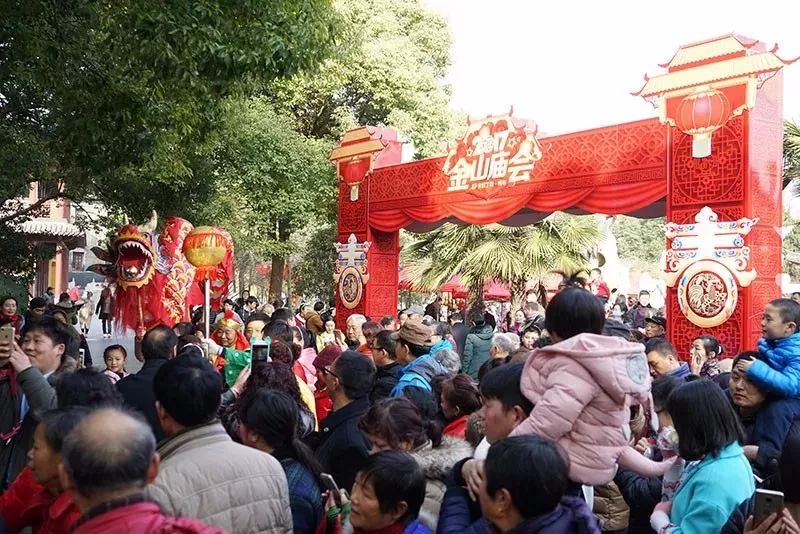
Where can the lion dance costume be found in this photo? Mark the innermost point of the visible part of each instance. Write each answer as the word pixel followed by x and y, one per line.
pixel 155 283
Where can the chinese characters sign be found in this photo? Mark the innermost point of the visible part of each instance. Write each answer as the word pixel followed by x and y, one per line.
pixel 493 152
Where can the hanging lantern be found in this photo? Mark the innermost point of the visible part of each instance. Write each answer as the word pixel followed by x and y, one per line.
pixel 701 113
pixel 205 247
pixel 353 173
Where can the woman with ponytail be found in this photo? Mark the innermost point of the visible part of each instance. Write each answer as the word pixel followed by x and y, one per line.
pixel 269 423
pixel 459 399
pixel 396 424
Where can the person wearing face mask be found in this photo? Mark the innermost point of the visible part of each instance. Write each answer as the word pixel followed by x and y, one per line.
pixel 27 371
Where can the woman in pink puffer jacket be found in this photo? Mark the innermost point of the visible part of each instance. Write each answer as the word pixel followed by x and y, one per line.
pixel 582 388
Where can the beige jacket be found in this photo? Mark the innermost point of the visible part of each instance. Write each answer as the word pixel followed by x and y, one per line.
pixel 436 463
pixel 207 476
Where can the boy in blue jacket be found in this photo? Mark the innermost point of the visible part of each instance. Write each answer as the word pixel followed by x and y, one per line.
pixel 777 372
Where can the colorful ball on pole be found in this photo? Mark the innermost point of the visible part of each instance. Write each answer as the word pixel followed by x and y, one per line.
pixel 205 247
pixel 700 114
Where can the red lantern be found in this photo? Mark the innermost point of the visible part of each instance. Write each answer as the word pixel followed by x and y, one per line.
pixel 701 113
pixel 353 173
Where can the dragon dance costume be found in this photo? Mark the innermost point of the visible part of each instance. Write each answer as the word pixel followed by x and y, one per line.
pixel 154 282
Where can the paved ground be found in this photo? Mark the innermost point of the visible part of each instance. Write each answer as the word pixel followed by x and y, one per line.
pixel 97 344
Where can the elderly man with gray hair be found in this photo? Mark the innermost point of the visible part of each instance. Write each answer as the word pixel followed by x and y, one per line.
pixel 107 461
pixel 502 346
pixel 354 334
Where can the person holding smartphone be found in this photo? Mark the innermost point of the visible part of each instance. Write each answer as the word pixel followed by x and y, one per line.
pixel 269 423
pixel 28 368
pixel 778 508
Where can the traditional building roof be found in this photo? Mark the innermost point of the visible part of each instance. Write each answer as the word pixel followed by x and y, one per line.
pixel 50 228
pixel 723 58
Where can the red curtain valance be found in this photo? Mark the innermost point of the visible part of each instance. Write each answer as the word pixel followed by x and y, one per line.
pixel 613 199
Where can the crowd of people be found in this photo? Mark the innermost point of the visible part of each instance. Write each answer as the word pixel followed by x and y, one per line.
pixel 567 418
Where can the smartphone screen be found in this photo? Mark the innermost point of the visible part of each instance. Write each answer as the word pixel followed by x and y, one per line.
pixel 6 334
pixel 329 482
pixel 260 353
pixel 768 502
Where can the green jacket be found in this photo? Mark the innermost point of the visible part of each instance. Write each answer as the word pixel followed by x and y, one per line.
pixel 236 360
pixel 476 349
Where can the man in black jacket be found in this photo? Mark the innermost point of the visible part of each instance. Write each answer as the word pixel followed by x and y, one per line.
pixel 460 331
pixel 158 346
pixel 388 369
pixel 339 445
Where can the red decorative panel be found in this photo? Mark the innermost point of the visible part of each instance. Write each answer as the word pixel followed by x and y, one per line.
pixel 384 268
pixel 352 215
pixel 617 154
pixel 682 332
pixel 726 213
pixel 717 178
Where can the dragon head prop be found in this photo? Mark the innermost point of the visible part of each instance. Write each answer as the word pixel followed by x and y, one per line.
pixel 155 283
pixel 131 257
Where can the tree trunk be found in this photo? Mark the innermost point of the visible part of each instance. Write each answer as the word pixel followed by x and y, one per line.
pixel 278 264
pixel 276 278
pixel 518 294
pixel 476 298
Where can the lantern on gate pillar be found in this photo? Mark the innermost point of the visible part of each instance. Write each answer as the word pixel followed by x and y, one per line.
pixel 700 114
pixel 354 157
pixel 709 82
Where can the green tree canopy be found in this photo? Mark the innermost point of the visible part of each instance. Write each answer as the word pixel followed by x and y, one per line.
pixel 390 70
pixel 272 181
pixel 791 150
pixel 115 102
pixel 640 241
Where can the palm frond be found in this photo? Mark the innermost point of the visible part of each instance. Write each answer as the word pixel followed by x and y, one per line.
pixel 512 255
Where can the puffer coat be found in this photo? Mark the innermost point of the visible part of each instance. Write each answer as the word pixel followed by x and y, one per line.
pixel 207 476
pixel 582 389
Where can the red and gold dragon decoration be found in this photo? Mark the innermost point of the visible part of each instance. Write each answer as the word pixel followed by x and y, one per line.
pixel 155 283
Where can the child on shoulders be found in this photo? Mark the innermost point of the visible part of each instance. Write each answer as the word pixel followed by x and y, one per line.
pixel 582 388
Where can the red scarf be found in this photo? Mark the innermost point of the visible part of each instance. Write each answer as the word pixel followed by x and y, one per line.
pixel 8 373
pixel 396 528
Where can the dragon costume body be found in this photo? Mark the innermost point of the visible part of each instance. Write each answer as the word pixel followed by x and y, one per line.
pixel 154 282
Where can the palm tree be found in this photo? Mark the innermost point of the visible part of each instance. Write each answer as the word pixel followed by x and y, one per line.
pixel 506 254
pixel 791 154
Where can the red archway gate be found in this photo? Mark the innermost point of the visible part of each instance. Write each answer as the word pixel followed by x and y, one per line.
pixel 644 168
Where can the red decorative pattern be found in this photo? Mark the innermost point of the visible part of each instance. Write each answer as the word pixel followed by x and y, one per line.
pixel 618 169
pixel 682 333
pixel 726 213
pixel 384 269
pixel 707 294
pixel 717 178
pixel 352 215
pixel 593 164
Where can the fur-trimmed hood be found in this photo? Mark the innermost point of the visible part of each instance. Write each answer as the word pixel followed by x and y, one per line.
pixel 437 462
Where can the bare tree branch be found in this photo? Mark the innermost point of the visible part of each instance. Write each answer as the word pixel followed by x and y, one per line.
pixel 33 207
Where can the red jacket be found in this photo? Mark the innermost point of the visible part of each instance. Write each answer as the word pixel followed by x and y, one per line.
pixel 142 518
pixel 323 403
pixel 27 503
pixel 456 428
